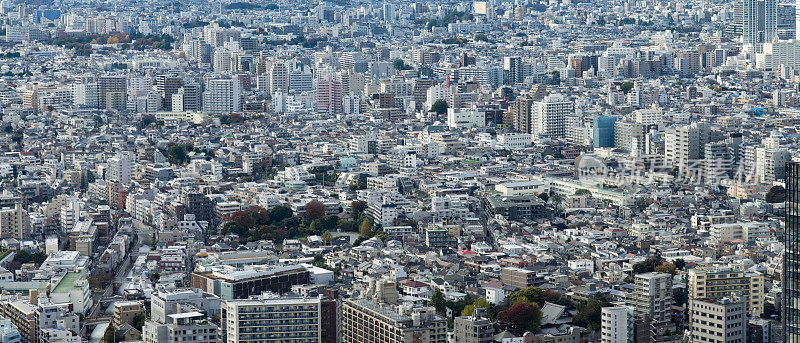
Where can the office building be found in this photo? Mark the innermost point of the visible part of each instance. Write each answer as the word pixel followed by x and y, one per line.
pixel 329 96
pixel 603 131
pixel 791 256
pixel 242 284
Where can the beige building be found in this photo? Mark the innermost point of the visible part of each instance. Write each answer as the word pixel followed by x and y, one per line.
pixel 716 284
pixel 366 321
pixel 14 222
pixel 126 311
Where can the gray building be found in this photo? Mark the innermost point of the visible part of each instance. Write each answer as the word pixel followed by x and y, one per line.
pixel 473 329
pixel 723 320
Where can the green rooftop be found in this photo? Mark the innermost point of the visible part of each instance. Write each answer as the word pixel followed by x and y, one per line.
pixel 67 283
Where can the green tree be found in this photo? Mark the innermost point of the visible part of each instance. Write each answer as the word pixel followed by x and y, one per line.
pixel 17 137
pixel 679 264
pixel 481 302
pixel 138 321
pixel 583 191
pixel 176 154
pixel 589 314
pixel 316 226
pixel 280 212
pixel 326 237
pixel 665 268
pixel 358 207
pixel 400 65
pixel 626 87
pixel 365 229
pixel 437 301
pixel 440 107
pixel 776 194
pixel 530 294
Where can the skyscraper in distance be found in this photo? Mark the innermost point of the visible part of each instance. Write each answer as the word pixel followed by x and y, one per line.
pixel 791 256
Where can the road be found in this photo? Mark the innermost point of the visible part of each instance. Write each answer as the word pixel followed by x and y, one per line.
pixel 100 300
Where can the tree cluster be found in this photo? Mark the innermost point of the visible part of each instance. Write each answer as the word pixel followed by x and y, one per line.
pixel 776 194
pixel 256 223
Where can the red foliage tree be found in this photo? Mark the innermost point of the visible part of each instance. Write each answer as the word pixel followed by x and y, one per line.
pixel 259 214
pixel 243 219
pixel 523 316
pixel 315 210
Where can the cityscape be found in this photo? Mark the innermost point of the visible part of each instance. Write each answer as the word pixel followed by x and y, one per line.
pixel 400 171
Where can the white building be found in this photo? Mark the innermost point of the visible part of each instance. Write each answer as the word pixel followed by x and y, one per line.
pixel 285 319
pixel 514 140
pixel 723 320
pixel 617 325
pixel 222 96
pixel 465 118
pixel 548 117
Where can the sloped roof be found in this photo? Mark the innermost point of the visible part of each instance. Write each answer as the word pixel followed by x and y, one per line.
pixel 551 312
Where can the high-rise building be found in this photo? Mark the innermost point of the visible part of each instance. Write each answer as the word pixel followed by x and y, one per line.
pixel 329 96
pixel 86 94
pixel 723 320
pixel 222 96
pixel 759 21
pixel 199 205
pixel 14 222
pixel 167 85
pixel 617 325
pixel 311 320
pixel 549 116
pixel 791 256
pixel 520 110
pixel 652 297
pixel 684 146
pixel 120 166
pixel 364 320
pixel 603 131
pixel 278 77
pixel 715 284
pixel 512 67
pixel 786 21
pixel 187 98
pixel 111 85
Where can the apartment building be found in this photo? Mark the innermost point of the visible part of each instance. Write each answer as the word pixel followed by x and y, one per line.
pixel 367 321
pixel 723 320
pixel 715 284
pixel 285 320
